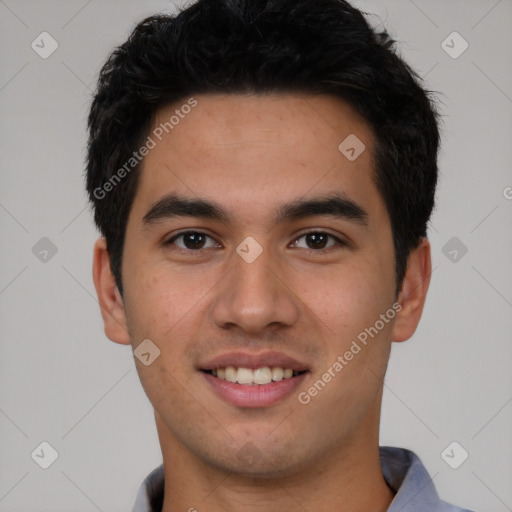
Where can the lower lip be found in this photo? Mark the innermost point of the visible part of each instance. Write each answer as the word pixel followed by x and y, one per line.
pixel 257 395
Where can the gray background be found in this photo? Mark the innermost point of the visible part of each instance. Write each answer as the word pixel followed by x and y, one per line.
pixel 62 381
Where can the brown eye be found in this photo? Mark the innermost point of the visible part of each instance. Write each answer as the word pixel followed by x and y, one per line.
pixel 191 240
pixel 318 240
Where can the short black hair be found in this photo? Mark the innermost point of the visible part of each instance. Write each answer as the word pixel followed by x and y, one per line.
pixel 264 46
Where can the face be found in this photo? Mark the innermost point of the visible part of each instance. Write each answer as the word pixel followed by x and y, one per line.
pixel 256 249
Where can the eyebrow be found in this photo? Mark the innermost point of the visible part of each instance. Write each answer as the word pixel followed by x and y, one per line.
pixel 337 205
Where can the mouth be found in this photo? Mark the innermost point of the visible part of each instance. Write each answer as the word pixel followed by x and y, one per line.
pixel 257 377
pixel 247 380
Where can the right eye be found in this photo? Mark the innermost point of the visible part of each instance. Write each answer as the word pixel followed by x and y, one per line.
pixel 191 240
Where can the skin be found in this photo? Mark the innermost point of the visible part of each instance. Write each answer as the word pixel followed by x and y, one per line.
pixel 251 154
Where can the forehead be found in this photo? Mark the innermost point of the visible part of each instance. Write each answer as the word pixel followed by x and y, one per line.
pixel 250 149
pixel 218 122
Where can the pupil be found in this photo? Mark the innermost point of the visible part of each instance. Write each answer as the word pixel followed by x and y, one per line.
pixel 317 240
pixel 194 239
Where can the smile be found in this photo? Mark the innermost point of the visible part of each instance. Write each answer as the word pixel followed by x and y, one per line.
pixel 258 376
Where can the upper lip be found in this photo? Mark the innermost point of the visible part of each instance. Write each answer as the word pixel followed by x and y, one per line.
pixel 253 361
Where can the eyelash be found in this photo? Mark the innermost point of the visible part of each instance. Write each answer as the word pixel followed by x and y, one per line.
pixel 179 235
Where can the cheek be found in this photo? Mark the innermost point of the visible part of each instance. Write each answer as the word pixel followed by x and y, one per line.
pixel 151 305
pixel 161 295
pixel 356 341
pixel 346 299
pixel 159 307
pixel 168 306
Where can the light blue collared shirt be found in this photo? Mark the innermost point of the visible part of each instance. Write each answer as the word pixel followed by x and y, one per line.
pixel 402 470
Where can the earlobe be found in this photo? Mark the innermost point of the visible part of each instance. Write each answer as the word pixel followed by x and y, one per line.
pixel 109 298
pixel 414 291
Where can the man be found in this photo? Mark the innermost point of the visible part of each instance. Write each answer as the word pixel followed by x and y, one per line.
pixel 262 173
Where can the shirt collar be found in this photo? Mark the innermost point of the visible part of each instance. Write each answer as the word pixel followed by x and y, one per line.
pixel 402 469
pixel 406 475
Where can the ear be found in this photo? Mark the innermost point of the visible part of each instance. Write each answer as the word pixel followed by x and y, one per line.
pixel 111 303
pixel 414 292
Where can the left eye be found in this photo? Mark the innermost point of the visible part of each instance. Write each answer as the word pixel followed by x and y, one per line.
pixel 317 240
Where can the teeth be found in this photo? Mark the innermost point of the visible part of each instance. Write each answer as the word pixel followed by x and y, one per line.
pixel 244 376
pixel 231 374
pixel 262 375
pixel 259 376
pixel 277 374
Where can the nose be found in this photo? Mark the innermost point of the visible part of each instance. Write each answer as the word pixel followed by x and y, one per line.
pixel 255 297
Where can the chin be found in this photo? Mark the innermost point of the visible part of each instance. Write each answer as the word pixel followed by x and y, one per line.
pixel 259 463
